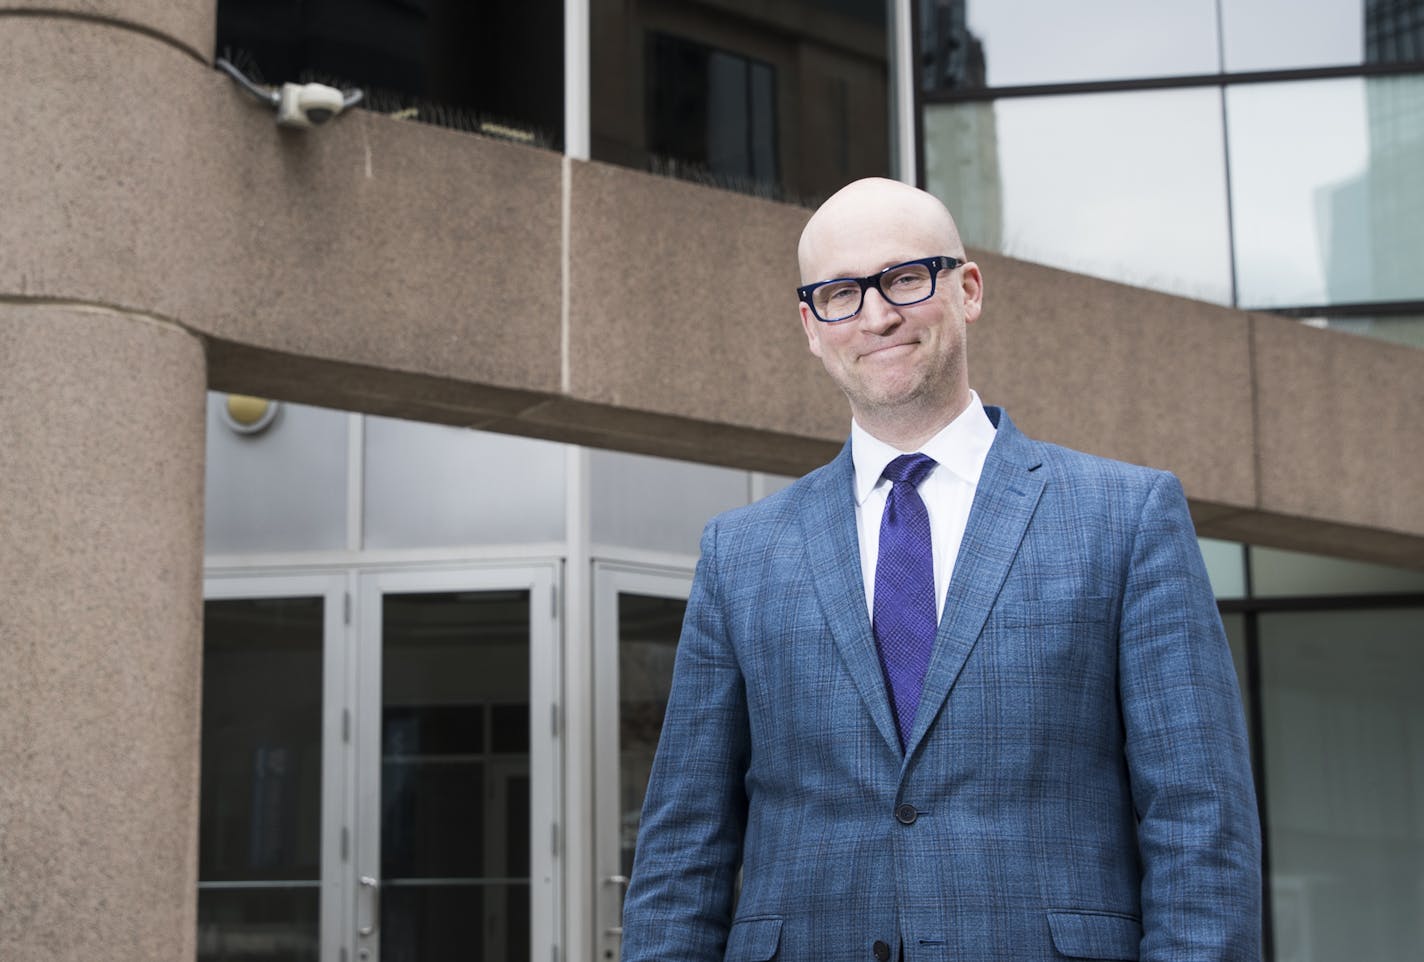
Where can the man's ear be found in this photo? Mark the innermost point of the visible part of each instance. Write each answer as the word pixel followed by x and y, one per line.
pixel 812 328
pixel 971 282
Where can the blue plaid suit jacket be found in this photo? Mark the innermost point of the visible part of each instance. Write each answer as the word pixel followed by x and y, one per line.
pixel 1077 783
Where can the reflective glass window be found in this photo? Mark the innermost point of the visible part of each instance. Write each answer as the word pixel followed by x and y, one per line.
pixel 455 776
pixel 1343 732
pixel 712 110
pixel 1126 186
pixel 657 503
pixel 648 630
pixel 1280 34
pixel 493 68
pixel 283 489
pixel 1292 574
pixel 1326 189
pixel 259 835
pixel 429 485
pixel 1225 566
pixel 1398 329
pixel 967 44
pixel 787 100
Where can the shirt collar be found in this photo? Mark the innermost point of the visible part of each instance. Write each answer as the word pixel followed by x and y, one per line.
pixel 960 446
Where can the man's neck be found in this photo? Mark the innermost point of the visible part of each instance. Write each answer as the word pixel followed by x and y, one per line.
pixel 908 430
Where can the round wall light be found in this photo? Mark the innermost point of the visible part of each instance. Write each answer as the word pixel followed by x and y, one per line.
pixel 249 415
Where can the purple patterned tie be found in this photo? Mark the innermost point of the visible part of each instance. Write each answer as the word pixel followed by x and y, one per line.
pixel 904 619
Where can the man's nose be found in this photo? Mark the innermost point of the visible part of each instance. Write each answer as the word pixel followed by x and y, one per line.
pixel 877 315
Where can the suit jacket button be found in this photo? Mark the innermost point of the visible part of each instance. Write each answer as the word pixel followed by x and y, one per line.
pixel 881 950
pixel 906 814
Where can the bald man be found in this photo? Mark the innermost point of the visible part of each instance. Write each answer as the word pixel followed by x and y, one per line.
pixel 957 695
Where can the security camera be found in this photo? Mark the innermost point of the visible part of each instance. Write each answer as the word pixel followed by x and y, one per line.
pixel 308 105
pixel 297 105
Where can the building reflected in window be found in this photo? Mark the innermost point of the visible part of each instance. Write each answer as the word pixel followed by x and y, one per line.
pixel 711 110
pixel 1145 145
pixel 788 101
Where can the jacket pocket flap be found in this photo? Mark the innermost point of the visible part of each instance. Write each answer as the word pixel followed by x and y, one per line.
pixel 753 940
pixel 1095 935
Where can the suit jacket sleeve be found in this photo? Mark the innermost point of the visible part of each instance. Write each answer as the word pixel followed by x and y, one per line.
pixel 680 899
pixel 1186 746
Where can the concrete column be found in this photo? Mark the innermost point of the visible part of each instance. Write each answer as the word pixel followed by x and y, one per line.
pixel 101 468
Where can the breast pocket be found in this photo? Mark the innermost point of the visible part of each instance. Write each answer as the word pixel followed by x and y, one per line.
pixel 1058 660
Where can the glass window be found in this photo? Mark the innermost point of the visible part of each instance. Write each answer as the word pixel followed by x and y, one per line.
pixel 648 630
pixel 1344 761
pixel 1290 574
pixel 281 490
pixel 259 836
pixel 658 503
pixel 476 66
pixel 711 111
pixel 1226 566
pixel 786 100
pixel 455 776
pixel 966 44
pixel 1327 197
pixel 429 485
pixel 1125 186
pixel 1278 34
pixel 1405 329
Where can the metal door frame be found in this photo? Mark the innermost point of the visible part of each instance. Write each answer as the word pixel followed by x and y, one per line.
pixel 610 580
pixel 336 761
pixel 541 580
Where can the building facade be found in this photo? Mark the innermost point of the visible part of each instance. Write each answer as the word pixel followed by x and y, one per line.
pixel 353 476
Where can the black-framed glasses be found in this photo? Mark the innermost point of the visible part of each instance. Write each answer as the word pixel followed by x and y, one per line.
pixel 841 298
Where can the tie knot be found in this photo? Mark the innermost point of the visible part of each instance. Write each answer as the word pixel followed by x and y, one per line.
pixel 909 467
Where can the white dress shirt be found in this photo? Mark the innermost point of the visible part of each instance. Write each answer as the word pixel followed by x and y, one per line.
pixel 947 491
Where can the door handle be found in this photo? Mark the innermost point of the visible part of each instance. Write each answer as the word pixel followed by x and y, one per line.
pixel 367 882
pixel 615 931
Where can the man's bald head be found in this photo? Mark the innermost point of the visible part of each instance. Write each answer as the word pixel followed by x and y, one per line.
pixel 869 207
pixel 903 366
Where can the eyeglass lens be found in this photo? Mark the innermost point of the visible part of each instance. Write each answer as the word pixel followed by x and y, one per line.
pixel 902 286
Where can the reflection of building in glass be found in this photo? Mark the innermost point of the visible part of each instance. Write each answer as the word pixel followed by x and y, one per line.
pixel 1395 112
pixel 1394 31
pixel 951 57
pixel 1371 223
pixel 962 154
pixel 713 111
pixel 783 100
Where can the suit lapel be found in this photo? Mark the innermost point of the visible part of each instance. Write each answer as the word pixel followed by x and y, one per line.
pixel 833 554
pixel 1004 502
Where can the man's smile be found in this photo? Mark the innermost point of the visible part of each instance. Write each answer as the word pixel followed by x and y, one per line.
pixel 888 352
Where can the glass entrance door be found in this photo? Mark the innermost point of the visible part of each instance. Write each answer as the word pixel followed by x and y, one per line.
pixel 380 772
pixel 637 619
pixel 454 772
pixel 269 872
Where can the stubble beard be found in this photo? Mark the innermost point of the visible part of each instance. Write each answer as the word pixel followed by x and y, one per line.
pixel 915 399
